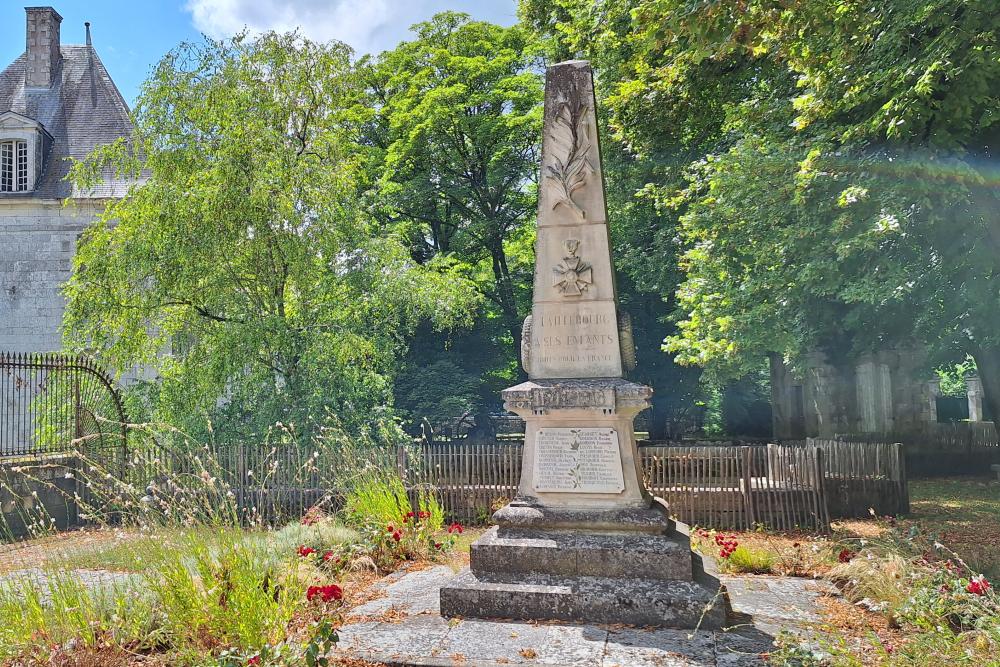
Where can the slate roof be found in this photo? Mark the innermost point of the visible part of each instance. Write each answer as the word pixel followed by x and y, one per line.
pixel 82 110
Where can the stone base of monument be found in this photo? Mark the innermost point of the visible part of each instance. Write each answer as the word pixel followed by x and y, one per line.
pixel 538 565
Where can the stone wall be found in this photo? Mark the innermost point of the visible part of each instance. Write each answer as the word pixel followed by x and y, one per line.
pixel 37 497
pixel 37 243
pixel 875 393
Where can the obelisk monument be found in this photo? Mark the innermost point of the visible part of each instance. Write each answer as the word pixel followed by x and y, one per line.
pixel 583 540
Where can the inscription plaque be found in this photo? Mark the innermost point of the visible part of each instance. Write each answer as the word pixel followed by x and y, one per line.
pixel 578 460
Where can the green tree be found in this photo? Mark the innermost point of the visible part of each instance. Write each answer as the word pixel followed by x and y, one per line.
pixel 243 269
pixel 839 191
pixel 651 129
pixel 453 122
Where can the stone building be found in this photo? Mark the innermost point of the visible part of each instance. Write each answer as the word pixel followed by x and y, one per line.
pixel 883 392
pixel 57 102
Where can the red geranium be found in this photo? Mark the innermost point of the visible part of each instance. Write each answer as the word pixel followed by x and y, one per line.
pixel 328 556
pixel 455 528
pixel 846 555
pixel 325 593
pixel 305 551
pixel 978 586
pixel 727 545
pixel 397 536
pixel 254 660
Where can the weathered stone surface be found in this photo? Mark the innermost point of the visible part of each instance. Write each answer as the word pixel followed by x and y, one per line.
pixel 583 540
pixel 574 326
pixel 765 605
pixel 663 648
pixel 677 604
pixel 776 603
pixel 616 555
pixel 652 518
pixel 608 395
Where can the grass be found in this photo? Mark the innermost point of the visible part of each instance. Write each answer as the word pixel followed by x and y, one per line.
pixel 198 583
pixel 964 513
pixel 136 552
pixel 905 581
pixel 749 560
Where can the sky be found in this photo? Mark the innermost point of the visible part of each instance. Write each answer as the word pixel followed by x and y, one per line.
pixel 132 35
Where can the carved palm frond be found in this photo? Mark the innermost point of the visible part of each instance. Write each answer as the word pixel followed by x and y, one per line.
pixel 569 133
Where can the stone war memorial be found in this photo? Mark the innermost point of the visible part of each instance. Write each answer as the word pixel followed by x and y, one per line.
pixel 583 540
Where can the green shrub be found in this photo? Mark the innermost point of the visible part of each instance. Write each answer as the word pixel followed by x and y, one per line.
pixel 48 608
pixel 885 580
pixel 376 497
pixel 748 560
pixel 240 593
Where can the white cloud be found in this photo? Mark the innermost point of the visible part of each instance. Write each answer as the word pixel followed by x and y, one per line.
pixel 367 25
pixel 351 21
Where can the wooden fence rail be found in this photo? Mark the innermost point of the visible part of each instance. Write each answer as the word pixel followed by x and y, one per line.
pixel 941 449
pixel 725 487
pixel 783 487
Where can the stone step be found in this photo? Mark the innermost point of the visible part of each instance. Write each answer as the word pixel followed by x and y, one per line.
pixel 642 602
pixel 578 553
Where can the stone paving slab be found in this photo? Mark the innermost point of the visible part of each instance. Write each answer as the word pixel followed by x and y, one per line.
pixel 413 632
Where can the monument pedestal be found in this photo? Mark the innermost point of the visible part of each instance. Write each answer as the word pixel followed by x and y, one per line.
pixel 583 541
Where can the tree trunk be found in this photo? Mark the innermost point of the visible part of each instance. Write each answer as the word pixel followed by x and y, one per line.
pixel 505 293
pixel 659 407
pixel 988 363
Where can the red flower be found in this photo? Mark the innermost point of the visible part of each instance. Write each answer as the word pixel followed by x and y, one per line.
pixel 390 528
pixel 978 586
pixel 397 536
pixel 254 660
pixel 455 528
pixel 728 545
pixel 423 515
pixel 328 556
pixel 437 545
pixel 846 555
pixel 325 593
pixel 305 551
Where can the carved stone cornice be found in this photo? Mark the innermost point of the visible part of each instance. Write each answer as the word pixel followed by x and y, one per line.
pixel 607 395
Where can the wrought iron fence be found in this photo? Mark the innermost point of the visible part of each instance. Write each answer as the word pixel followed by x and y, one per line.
pixel 57 403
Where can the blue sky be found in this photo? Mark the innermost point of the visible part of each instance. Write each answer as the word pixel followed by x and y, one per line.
pixel 132 36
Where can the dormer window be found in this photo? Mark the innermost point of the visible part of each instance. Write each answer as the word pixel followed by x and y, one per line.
pixel 13 166
pixel 24 144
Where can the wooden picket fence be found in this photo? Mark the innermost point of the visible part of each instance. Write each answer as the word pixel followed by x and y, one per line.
pixel 739 487
pixel 783 487
pixel 941 449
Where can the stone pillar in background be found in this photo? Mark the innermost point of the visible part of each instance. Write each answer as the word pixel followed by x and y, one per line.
pixel 874 390
pixel 931 391
pixel 820 396
pixel 864 378
pixel 787 402
pixel 974 390
pixel 909 388
pixel 583 540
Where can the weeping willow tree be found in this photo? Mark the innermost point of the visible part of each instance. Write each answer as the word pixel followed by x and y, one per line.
pixel 241 270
